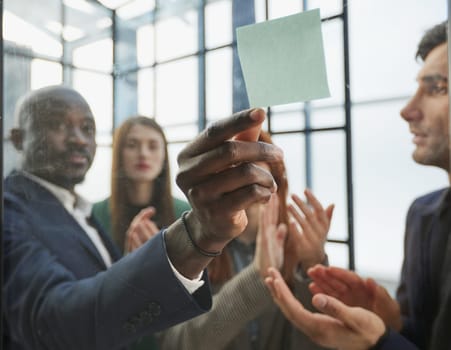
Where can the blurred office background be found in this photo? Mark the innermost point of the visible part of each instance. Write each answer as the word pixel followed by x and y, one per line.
pixel 176 60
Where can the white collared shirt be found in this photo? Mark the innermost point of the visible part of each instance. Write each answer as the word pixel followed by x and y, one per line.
pixel 80 209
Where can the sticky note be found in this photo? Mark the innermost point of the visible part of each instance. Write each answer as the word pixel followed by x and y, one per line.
pixel 283 60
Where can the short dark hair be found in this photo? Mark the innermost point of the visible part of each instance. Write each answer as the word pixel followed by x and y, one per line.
pixel 434 37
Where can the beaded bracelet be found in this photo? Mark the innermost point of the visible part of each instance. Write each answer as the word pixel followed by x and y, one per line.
pixel 199 249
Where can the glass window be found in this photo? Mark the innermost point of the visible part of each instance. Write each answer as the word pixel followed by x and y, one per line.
pixel 327 8
pixel 281 8
pixel 218 23
pixel 329 177
pixel 293 146
pixel 97 55
pixel 145 45
pixel 97 184
pixel 30 33
pixel 327 117
pixel 177 92
pixel 182 132
pixel 146 94
pixel 333 52
pixel 338 254
pixel 382 60
pixel 291 119
pixel 132 9
pixel 219 83
pixel 45 73
pixel 386 180
pixel 176 36
pixel 97 89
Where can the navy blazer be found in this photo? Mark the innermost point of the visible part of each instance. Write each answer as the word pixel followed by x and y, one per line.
pixel 423 251
pixel 57 292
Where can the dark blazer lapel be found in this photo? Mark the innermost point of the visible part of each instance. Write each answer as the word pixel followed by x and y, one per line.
pixel 106 239
pixel 46 204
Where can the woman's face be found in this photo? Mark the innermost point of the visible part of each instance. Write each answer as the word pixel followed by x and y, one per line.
pixel 143 154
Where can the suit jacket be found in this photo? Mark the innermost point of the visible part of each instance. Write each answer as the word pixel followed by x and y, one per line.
pixel 57 291
pixel 425 241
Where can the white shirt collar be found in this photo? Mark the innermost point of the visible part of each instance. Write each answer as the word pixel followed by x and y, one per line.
pixel 70 201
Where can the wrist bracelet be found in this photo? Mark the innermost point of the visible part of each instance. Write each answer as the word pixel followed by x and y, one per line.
pixel 381 339
pixel 190 237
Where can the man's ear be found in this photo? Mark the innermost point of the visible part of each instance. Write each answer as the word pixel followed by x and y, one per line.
pixel 16 136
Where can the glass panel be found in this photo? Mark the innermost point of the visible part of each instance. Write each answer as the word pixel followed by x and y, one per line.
pixel 293 147
pixel 17 75
pixel 329 177
pixel 97 55
pixel 97 184
pixel 380 66
pixel 185 132
pixel 281 8
pixel 146 92
pixel 333 51
pixel 97 89
pixel 218 23
pixel 177 92
pixel 45 73
pixel 327 8
pixel 219 83
pixel 34 26
pixel 327 118
pixel 386 180
pixel 286 121
pixel 145 45
pixel 176 36
pixel 338 254
pixel 133 9
pixel 260 10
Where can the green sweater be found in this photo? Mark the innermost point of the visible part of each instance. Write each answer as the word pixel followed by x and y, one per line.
pixel 101 211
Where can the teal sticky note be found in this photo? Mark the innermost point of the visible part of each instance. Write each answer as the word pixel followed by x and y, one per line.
pixel 283 60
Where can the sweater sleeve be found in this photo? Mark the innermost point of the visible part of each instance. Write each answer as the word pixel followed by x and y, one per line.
pixel 239 301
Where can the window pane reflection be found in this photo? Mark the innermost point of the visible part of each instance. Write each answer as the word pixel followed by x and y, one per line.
pixel 289 120
pixel 45 73
pixel 97 89
pixel 27 34
pixel 176 91
pixel 219 83
pixel 146 92
pixel 145 45
pixel 293 147
pixel 386 180
pixel 97 55
pixel 329 177
pixel 97 184
pixel 218 23
pixel 176 36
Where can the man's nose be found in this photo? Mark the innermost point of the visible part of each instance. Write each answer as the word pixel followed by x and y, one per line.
pixel 412 110
pixel 76 135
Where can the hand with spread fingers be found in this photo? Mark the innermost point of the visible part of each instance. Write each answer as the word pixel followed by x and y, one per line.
pixel 141 229
pixel 309 224
pixel 354 290
pixel 339 326
pixel 269 250
pixel 218 174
